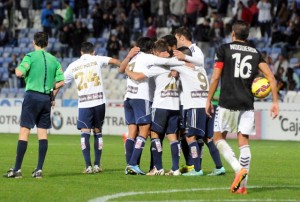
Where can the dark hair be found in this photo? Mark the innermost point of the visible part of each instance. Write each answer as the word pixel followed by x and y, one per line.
pixel 87 47
pixel 241 30
pixel 170 39
pixel 184 31
pixel 185 50
pixel 41 39
pixel 145 44
pixel 160 46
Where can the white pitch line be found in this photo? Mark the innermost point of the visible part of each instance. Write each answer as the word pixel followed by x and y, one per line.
pixel 123 194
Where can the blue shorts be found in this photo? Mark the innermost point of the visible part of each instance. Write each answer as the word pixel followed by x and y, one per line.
pixel 36 110
pixel 209 130
pixel 196 122
pixel 137 111
pixel 165 121
pixel 92 117
pixel 182 118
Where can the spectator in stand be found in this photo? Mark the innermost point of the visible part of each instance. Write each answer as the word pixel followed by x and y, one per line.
pixel 123 35
pixel 64 37
pixel 113 46
pixel 252 4
pixel 9 7
pixel 2 13
pixel 118 9
pixel 24 6
pixel 203 9
pixel 136 21
pixel 222 7
pixel 283 14
pixel 277 36
pixel 12 78
pixel 151 28
pixel 79 35
pixel 292 35
pixel 217 33
pixel 96 15
pixel 281 62
pixel 173 22
pixel 202 37
pixel 291 79
pixel 264 17
pixel 37 4
pixel 81 8
pixel 268 60
pixel 192 8
pixel 177 8
pixel 243 13
pixel 162 11
pixel 294 11
pixel 69 16
pixel 4 36
pixel 46 15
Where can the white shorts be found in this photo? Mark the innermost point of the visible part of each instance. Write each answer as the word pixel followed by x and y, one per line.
pixel 234 121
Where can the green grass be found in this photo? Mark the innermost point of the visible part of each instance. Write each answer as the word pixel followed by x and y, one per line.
pixel 274 174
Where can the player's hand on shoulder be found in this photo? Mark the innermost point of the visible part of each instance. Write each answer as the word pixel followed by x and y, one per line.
pixel 179 55
pixel 133 51
pixel 164 54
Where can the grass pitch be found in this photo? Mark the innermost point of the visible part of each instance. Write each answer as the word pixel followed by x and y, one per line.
pixel 274 174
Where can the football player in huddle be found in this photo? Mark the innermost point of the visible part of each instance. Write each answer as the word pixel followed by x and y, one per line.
pixel 165 111
pixel 195 56
pixel 138 100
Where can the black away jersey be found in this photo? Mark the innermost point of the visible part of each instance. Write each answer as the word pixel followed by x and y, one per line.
pixel 240 67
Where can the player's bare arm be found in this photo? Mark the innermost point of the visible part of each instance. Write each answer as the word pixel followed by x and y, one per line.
pixel 137 76
pixel 264 68
pixel 213 86
pixel 114 61
pixel 131 54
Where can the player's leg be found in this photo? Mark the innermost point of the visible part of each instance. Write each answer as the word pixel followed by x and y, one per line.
pixel 223 147
pixel 246 126
pixel 196 129
pixel 132 129
pixel 172 128
pixel 99 115
pixel 214 152
pixel 158 124
pixel 142 115
pixel 183 143
pixel 84 124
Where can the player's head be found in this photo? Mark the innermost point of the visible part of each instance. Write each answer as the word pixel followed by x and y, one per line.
pixel 183 35
pixel 145 44
pixel 185 50
pixel 40 39
pixel 87 48
pixel 160 46
pixel 240 31
pixel 171 41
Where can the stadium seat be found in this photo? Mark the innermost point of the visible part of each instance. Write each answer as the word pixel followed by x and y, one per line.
pixel 297 98
pixel 275 52
pixel 290 96
pixel 293 62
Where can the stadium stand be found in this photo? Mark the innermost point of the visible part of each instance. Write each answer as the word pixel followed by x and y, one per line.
pixel 114 81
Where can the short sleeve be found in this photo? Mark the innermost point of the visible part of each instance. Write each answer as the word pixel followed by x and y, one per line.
pixel 24 66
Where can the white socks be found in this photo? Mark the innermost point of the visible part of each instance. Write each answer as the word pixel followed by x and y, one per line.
pixel 245 159
pixel 229 155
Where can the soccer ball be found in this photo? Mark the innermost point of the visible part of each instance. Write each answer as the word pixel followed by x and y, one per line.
pixel 261 87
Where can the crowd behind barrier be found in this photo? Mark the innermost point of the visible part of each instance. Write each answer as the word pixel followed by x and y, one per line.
pixel 114 26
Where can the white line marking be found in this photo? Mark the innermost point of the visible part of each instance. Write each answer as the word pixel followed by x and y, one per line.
pixel 123 194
